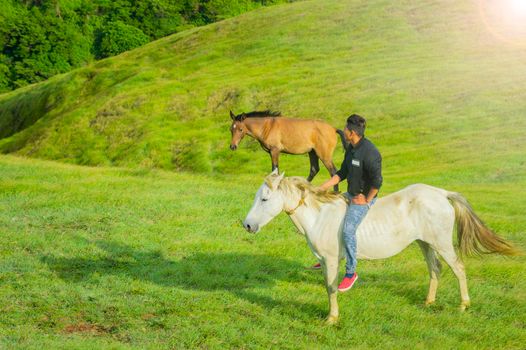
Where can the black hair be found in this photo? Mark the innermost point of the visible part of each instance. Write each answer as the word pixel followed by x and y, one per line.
pixel 356 123
pixel 257 114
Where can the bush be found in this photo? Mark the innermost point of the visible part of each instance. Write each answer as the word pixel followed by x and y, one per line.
pixel 4 74
pixel 116 37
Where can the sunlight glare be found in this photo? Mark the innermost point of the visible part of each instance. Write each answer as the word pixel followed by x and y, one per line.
pixel 518 7
pixel 505 19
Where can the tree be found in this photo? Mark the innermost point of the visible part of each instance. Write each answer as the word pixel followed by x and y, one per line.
pixel 116 37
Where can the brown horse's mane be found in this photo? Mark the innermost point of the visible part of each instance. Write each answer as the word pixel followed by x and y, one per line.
pixel 258 114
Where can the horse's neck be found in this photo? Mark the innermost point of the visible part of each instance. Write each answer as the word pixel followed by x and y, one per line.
pixel 258 127
pixel 304 219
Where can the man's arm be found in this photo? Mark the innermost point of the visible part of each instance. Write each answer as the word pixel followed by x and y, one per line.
pixel 374 167
pixel 330 183
pixel 373 192
pixel 362 200
pixel 338 177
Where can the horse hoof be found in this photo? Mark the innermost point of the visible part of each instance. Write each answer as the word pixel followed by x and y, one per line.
pixel 331 320
pixel 464 305
pixel 429 302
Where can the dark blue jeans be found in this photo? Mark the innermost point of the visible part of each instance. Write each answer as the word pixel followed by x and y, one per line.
pixel 353 217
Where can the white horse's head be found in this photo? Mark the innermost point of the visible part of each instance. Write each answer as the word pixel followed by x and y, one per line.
pixel 268 203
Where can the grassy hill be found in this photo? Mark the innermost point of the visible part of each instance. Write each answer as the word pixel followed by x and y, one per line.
pixel 438 89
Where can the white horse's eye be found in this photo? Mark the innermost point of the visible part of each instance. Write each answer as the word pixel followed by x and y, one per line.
pixel 264 199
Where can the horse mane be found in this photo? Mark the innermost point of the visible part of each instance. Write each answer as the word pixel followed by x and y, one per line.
pixel 258 114
pixel 313 196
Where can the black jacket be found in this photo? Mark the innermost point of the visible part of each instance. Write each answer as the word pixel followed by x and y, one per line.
pixel 362 167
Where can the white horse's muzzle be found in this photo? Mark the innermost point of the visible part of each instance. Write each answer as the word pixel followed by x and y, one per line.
pixel 250 227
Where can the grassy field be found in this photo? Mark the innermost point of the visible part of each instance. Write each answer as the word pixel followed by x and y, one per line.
pixel 143 248
pixel 148 259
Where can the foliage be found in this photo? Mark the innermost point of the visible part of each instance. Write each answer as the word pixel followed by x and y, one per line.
pixel 36 46
pixel 4 73
pixel 116 37
pixel 40 39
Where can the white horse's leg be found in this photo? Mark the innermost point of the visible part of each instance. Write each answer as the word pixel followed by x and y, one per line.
pixel 434 267
pixel 457 266
pixel 330 272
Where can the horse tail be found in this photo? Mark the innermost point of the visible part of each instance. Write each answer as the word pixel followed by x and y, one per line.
pixel 474 237
pixel 342 137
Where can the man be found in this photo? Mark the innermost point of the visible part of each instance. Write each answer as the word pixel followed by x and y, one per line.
pixel 362 167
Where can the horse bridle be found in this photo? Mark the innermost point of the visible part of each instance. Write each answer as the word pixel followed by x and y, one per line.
pixel 300 203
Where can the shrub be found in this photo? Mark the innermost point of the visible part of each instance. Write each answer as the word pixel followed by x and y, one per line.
pixel 117 37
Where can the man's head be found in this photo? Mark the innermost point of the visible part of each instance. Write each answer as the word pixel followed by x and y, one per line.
pixel 355 125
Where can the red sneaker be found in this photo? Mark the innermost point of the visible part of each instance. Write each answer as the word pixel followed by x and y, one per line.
pixel 316 266
pixel 347 283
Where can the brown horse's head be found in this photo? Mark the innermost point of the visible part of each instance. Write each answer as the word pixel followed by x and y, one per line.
pixel 238 129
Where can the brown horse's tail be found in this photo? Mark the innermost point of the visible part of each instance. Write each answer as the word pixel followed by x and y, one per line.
pixel 474 237
pixel 342 137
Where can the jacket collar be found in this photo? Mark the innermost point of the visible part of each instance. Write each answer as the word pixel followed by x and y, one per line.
pixel 358 145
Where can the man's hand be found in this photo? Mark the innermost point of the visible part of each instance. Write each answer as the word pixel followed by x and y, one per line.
pixel 359 199
pixel 333 181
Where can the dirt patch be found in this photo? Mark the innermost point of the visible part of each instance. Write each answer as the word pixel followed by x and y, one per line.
pixel 223 100
pixel 88 328
pixel 107 115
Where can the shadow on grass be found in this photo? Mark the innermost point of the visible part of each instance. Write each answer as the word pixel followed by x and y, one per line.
pixel 400 284
pixel 240 274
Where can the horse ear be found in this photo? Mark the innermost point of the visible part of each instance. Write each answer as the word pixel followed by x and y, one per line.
pixel 275 172
pixel 277 181
pixel 243 116
pixel 232 115
pixel 273 179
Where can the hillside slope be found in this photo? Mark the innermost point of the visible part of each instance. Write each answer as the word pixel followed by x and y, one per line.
pixel 438 89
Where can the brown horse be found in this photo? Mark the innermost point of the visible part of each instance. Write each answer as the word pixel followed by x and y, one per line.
pixel 278 134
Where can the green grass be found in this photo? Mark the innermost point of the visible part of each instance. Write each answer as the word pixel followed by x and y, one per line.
pixel 148 259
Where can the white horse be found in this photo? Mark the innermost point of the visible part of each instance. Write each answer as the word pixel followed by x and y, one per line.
pixel 419 213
